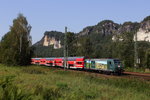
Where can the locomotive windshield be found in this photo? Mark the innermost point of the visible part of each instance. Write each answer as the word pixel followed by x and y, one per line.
pixel 117 61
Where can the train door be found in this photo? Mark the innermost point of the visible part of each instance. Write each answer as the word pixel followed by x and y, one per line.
pixel 87 64
pixel 110 65
pixel 92 64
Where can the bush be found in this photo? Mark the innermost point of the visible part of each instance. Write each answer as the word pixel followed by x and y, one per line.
pixel 51 94
pixel 9 91
pixel 47 94
pixel 38 90
pixel 62 85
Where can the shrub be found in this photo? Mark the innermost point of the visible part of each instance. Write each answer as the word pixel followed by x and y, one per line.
pixel 62 85
pixel 47 94
pixel 38 90
pixel 9 91
pixel 51 94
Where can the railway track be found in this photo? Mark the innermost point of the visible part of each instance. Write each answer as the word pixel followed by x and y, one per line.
pixel 138 74
pixel 128 75
pixel 142 76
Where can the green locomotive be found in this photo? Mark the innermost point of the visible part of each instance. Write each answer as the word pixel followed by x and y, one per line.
pixel 104 65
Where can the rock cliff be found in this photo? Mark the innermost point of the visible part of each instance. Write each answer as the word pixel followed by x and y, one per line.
pixel 51 38
pixel 106 27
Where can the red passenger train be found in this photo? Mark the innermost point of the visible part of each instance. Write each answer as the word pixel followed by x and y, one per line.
pixel 72 62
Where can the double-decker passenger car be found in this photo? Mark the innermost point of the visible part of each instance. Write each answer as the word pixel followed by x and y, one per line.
pixel 71 62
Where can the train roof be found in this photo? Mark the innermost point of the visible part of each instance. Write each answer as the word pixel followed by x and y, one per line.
pixel 103 59
pixel 74 58
pixel 52 58
pixel 37 58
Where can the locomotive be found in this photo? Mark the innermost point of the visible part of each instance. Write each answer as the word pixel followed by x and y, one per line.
pixel 101 65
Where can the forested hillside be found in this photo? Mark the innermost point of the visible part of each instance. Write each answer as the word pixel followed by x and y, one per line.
pixel 104 40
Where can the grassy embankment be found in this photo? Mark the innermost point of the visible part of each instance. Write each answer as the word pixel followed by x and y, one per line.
pixel 43 83
pixel 140 70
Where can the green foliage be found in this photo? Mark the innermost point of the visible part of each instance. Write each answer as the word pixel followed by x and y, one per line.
pixel 140 70
pixel 85 47
pixel 71 47
pixel 72 85
pixel 9 91
pixel 104 22
pixel 51 94
pixel 47 93
pixel 147 18
pixel 43 51
pixel 33 71
pixel 101 45
pixel 38 90
pixel 15 45
pixel 147 56
pixel 143 53
pixel 126 49
pixel 61 85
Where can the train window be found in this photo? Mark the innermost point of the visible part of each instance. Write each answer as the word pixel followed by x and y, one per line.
pixel 79 62
pixel 117 61
pixel 110 63
pixel 71 65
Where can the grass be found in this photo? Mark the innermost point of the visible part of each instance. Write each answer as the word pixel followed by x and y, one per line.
pixel 140 70
pixel 44 83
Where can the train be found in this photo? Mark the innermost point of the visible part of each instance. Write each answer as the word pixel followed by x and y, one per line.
pixel 107 65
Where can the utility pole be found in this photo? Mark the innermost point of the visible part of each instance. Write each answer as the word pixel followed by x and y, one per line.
pixel 135 52
pixel 65 49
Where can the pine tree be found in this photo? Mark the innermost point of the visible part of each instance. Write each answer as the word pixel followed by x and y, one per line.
pixel 16 44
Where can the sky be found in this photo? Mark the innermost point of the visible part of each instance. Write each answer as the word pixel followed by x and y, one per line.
pixel 48 15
